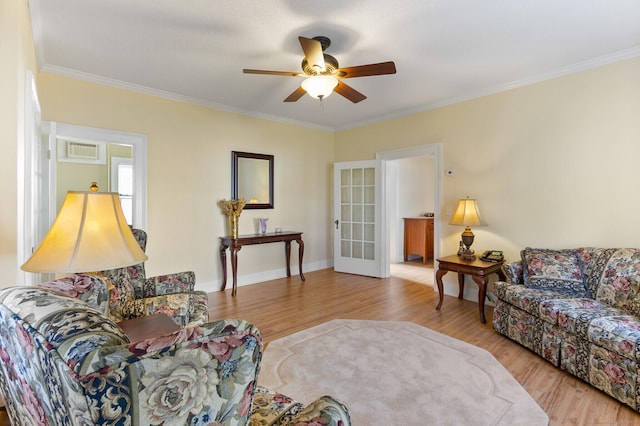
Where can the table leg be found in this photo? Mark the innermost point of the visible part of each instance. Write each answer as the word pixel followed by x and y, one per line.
pixel 223 259
pixel 300 254
pixel 287 255
pixel 439 275
pixel 460 285
pixel 234 268
pixel 482 294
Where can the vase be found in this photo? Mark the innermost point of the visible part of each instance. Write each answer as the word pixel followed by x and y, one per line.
pixel 263 225
pixel 233 225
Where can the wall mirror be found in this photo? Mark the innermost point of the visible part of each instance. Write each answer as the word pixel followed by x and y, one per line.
pixel 252 178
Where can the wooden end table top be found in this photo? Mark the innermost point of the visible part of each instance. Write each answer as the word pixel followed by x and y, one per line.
pixel 148 326
pixel 475 266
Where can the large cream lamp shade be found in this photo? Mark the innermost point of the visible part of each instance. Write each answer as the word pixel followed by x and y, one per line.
pixel 89 234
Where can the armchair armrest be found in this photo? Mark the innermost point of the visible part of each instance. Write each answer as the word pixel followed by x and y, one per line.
pixel 180 282
pixel 197 375
pixel 273 408
pixel 90 288
pixel 179 307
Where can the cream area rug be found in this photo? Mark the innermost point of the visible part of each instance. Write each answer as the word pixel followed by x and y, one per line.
pixel 397 373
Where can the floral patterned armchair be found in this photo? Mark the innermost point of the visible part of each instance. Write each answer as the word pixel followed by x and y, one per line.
pixel 132 294
pixel 64 362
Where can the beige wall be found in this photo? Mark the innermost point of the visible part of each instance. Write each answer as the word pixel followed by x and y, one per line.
pixel 17 55
pixel 189 170
pixel 552 164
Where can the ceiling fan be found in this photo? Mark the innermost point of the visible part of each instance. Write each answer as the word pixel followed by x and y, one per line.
pixel 323 75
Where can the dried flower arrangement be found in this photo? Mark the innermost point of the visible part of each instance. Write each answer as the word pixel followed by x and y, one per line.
pixel 232 207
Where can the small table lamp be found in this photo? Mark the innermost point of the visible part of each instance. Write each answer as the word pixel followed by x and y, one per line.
pixel 467 214
pixel 89 234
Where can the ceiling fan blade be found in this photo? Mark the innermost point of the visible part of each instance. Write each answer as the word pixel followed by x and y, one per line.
pixel 381 68
pixel 313 53
pixel 349 92
pixel 285 73
pixel 297 94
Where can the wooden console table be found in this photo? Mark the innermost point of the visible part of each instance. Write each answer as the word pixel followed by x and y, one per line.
pixel 479 271
pixel 248 240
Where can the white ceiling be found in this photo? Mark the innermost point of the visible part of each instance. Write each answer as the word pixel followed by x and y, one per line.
pixel 444 50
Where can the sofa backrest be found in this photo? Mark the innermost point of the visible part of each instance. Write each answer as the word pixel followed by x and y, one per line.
pixel 611 274
pixel 592 258
pixel 615 277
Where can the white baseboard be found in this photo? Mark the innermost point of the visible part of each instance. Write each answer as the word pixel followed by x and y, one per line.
pixel 249 279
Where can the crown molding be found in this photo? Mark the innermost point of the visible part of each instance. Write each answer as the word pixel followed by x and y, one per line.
pixel 599 61
pixel 559 72
pixel 119 84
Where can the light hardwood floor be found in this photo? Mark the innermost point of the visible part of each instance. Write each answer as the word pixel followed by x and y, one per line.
pixel 284 306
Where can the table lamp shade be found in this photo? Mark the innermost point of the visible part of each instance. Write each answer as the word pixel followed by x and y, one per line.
pixel 467 214
pixel 89 234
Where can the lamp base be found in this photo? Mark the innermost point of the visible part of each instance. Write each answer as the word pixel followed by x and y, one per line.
pixel 467 240
pixel 467 254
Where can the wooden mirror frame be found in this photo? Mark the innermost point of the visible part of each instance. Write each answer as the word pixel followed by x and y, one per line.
pixel 235 184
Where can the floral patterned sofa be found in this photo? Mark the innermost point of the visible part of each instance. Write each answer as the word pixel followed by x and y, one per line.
pixel 580 310
pixel 65 362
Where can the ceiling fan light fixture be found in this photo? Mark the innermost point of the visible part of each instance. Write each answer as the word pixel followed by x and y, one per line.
pixel 320 86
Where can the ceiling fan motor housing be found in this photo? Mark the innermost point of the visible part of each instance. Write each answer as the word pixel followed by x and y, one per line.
pixel 330 64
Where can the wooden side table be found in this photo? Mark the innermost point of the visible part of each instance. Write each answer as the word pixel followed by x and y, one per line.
pixel 148 326
pixel 479 270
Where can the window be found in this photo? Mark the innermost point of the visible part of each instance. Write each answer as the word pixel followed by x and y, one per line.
pixel 122 183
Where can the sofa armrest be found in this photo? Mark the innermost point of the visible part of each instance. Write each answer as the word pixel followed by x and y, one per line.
pixel 513 271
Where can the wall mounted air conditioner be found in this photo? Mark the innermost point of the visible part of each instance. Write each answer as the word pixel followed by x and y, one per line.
pixel 82 152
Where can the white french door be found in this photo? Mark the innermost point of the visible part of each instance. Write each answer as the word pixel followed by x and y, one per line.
pixel 358 218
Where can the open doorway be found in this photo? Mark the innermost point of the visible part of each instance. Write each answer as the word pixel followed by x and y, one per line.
pixel 412 186
pixel 116 161
pixel 84 147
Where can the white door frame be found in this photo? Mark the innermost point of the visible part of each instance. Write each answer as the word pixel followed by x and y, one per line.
pixel 27 156
pixel 434 151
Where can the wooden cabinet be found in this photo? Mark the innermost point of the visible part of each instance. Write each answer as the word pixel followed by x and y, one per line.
pixel 418 237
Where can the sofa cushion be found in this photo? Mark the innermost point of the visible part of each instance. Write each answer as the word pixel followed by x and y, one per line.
pixel 574 315
pixel 569 314
pixel 525 298
pixel 620 281
pixel 556 270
